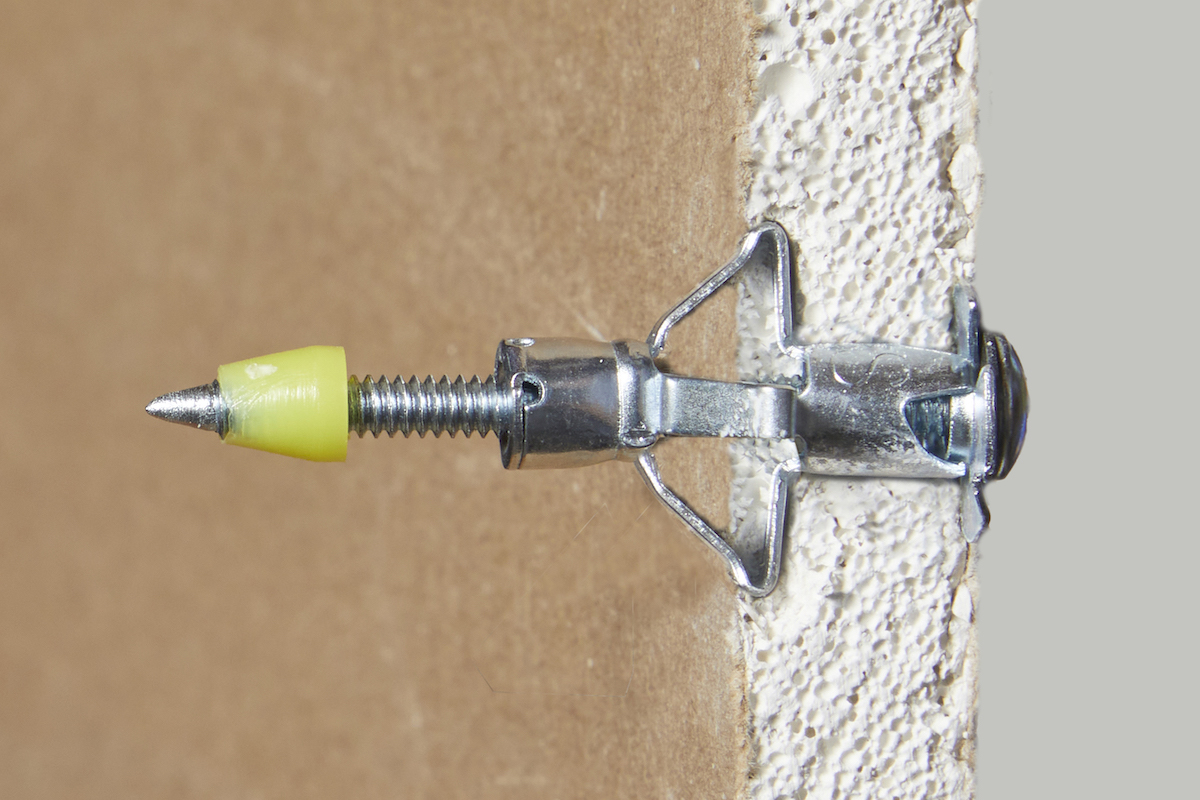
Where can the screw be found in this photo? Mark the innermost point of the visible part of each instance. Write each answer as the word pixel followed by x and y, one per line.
pixel 383 406
pixel 857 409
pixel 428 406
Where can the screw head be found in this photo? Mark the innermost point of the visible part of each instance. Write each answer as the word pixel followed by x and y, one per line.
pixel 1011 409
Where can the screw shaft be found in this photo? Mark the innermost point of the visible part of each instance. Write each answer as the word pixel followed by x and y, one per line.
pixel 427 406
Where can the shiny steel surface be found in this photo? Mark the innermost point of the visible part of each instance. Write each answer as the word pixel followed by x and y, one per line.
pixel 854 403
pixel 853 409
pixel 428 406
pixel 582 402
pixel 753 560
pixel 568 410
pixel 199 407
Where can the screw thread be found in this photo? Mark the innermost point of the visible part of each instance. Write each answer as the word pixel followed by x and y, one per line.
pixel 427 406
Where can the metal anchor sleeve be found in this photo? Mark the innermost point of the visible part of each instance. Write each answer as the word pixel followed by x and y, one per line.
pixel 855 409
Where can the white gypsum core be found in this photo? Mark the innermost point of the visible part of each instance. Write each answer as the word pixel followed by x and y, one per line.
pixel 861 665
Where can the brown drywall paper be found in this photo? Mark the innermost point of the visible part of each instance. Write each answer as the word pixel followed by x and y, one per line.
pixel 186 186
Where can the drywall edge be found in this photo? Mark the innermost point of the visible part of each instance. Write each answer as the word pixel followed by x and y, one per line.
pixel 861 666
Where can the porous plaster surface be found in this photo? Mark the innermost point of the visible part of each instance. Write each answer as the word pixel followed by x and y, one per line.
pixel 861 664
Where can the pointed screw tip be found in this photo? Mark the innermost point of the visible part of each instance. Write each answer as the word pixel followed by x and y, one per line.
pixel 199 407
pixel 157 407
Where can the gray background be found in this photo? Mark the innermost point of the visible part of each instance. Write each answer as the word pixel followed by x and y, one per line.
pixel 1085 261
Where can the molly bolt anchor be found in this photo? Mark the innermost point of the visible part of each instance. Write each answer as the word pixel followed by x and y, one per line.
pixel 851 409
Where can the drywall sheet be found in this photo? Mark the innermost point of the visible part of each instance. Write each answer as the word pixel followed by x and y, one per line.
pixel 187 184
pixel 861 665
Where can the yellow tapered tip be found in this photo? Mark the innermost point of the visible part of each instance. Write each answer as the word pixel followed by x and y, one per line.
pixel 292 403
